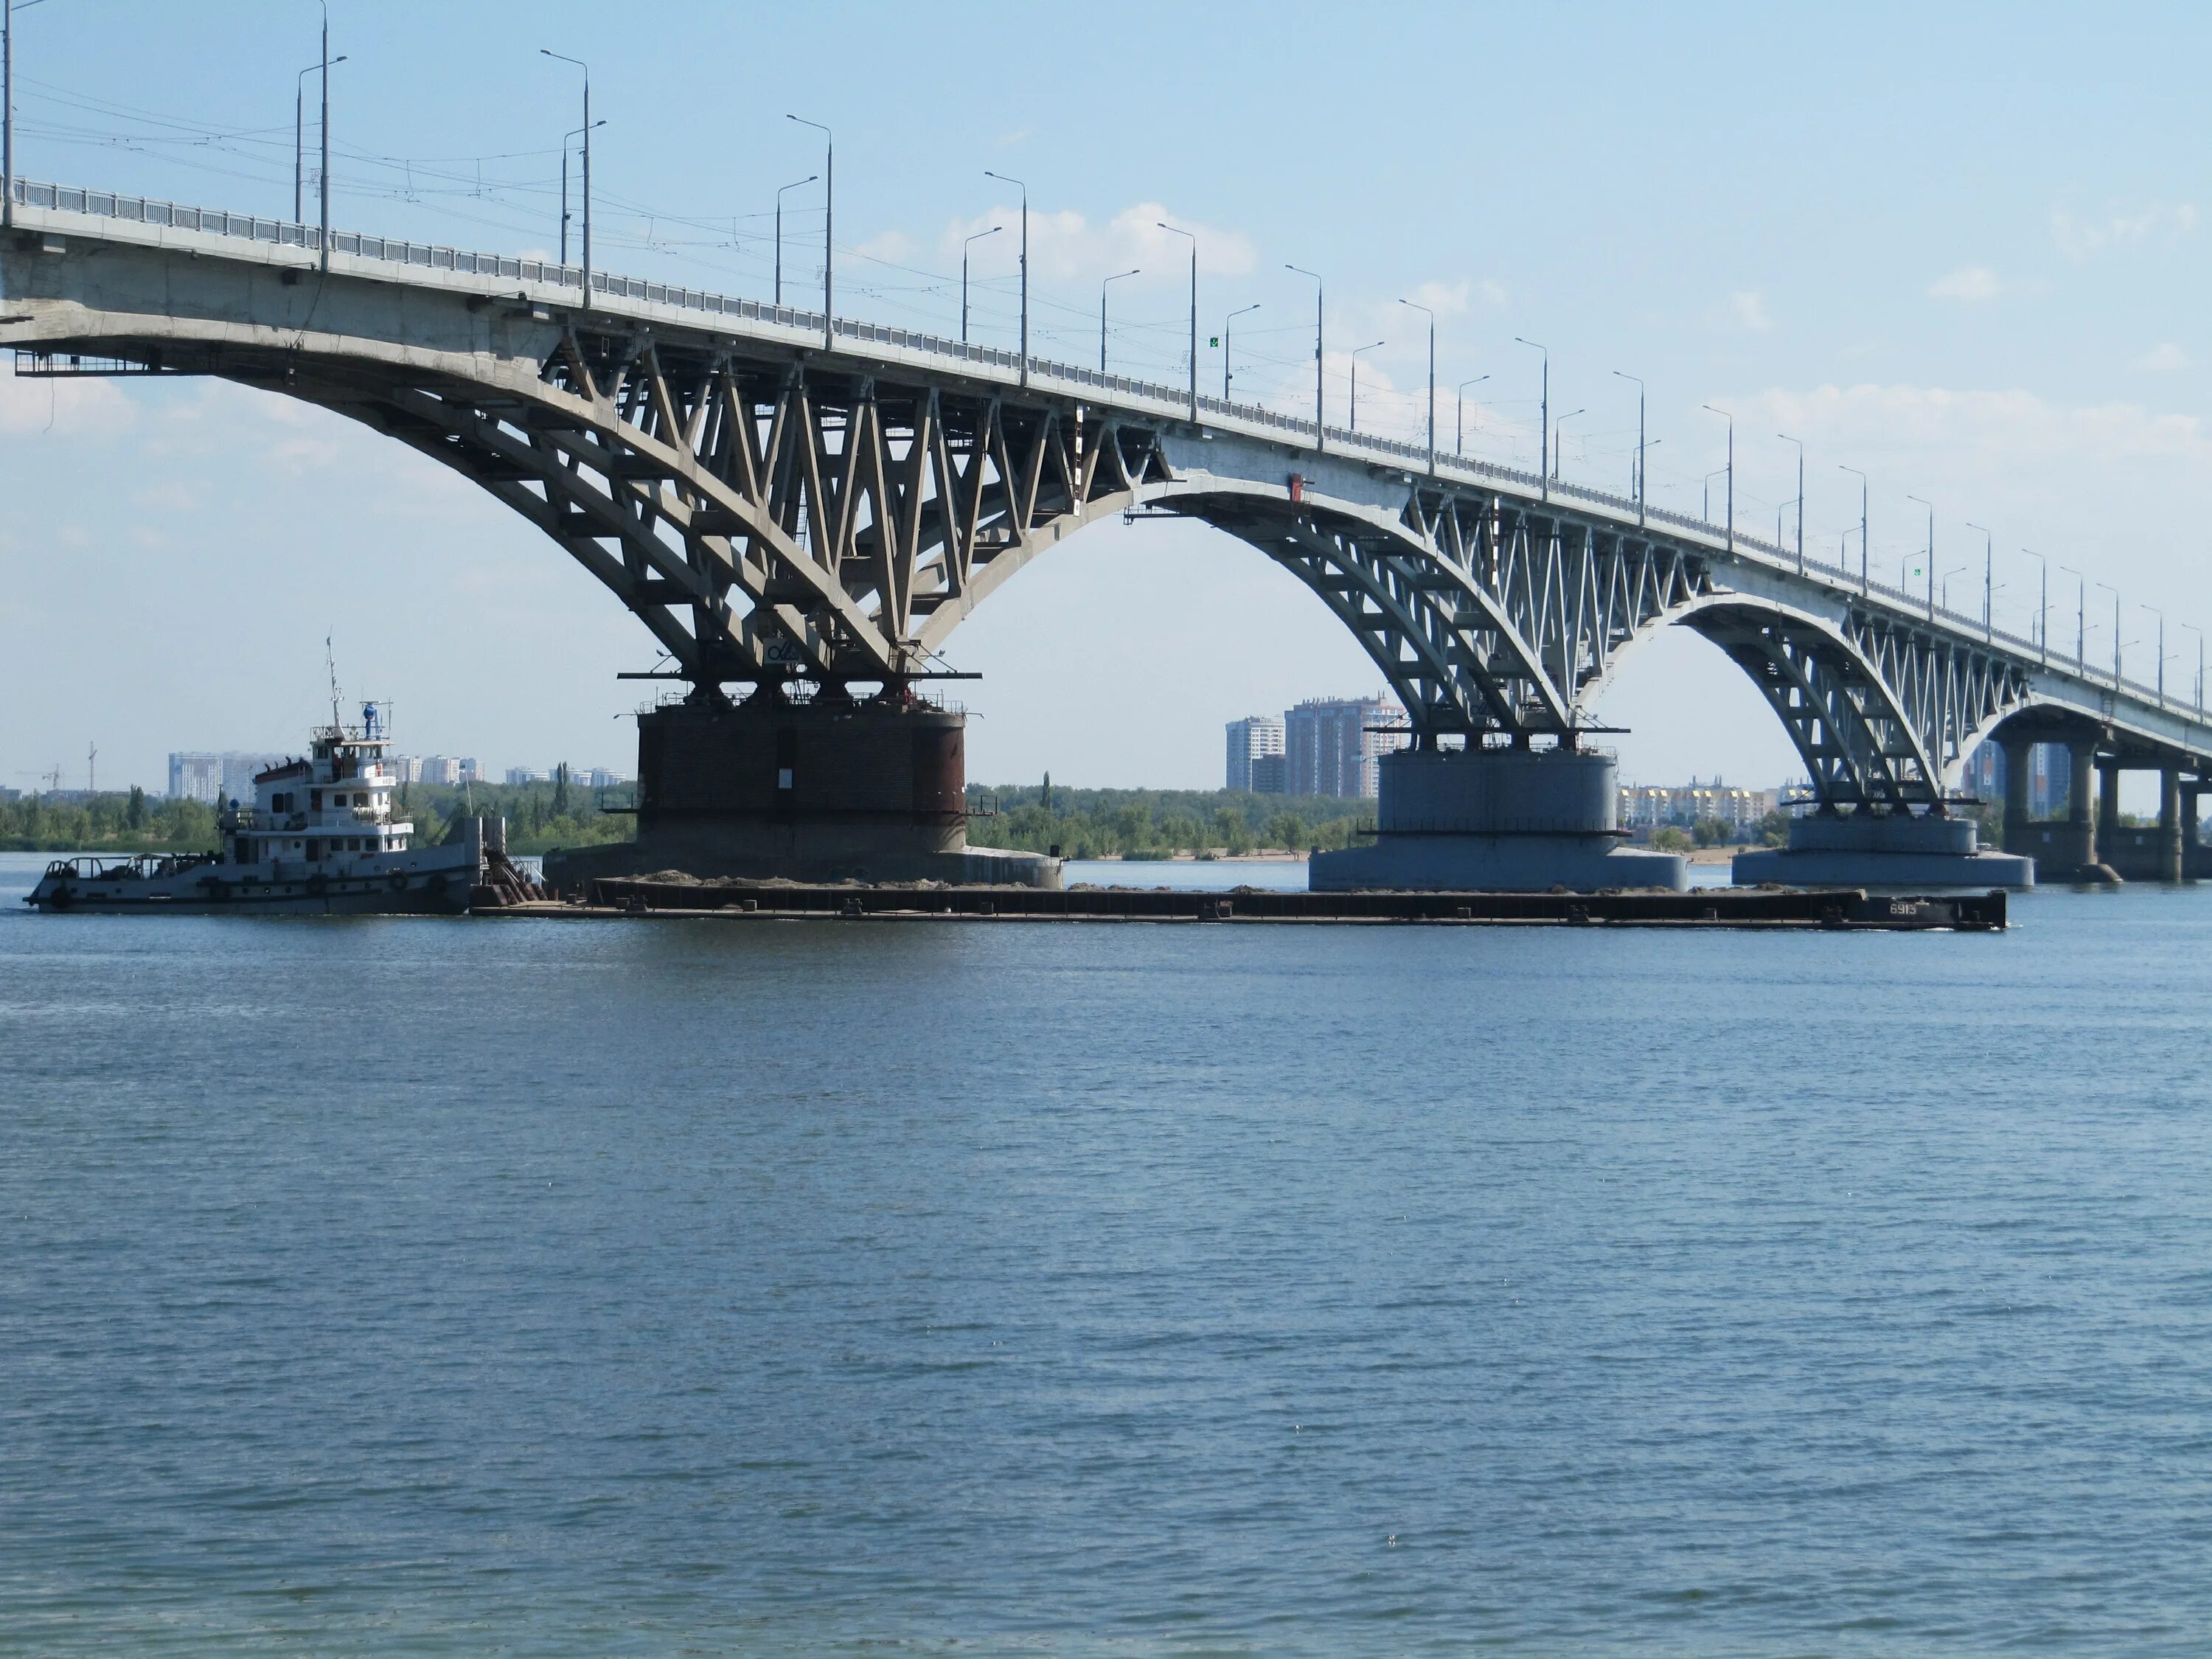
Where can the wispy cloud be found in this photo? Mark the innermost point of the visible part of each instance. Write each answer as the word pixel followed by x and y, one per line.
pixel 1749 307
pixel 2164 358
pixel 68 408
pixel 1971 283
pixel 2082 238
pixel 1066 246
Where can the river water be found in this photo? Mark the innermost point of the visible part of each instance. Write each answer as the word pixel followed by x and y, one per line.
pixel 652 1287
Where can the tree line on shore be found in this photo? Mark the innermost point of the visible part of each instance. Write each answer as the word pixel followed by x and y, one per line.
pixel 1139 823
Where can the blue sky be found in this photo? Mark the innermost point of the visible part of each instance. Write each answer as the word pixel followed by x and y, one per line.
pixel 1963 248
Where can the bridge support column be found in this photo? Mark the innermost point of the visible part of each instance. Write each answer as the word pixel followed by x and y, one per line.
pixel 2070 851
pixel 1883 849
pixel 1496 820
pixel 2170 844
pixel 2019 757
pixel 2192 853
pixel 2108 808
pixel 827 790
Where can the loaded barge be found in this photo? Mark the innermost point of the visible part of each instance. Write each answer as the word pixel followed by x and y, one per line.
pixel 1847 910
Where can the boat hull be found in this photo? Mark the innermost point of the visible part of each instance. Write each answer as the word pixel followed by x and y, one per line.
pixel 410 883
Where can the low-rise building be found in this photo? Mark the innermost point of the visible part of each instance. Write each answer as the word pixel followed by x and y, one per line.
pixel 1646 807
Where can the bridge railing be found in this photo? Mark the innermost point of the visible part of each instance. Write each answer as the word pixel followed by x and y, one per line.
pixel 435 257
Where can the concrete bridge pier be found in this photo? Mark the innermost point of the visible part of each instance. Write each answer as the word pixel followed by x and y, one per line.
pixel 1887 848
pixel 2170 844
pixel 2067 851
pixel 2018 756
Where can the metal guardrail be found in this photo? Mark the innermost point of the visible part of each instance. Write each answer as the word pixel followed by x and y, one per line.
pixel 278 233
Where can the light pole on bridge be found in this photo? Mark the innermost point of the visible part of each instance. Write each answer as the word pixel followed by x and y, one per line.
pixel 2199 632
pixel 1639 441
pixel 1117 276
pixel 546 51
pixel 2042 622
pixel 300 138
pixel 1706 509
pixel 1356 351
pixel 1319 365
pixel 1543 420
pixel 1956 569
pixel 2160 615
pixel 8 10
pixel 829 231
pixel 1730 419
pixel 1988 583
pixel 1930 506
pixel 1800 442
pixel 809 179
pixel 1558 427
pixel 2080 619
pixel 2115 592
pixel 1432 316
pixel 1459 415
pixel 1226 323
pixel 1864 581
pixel 966 243
pixel 1024 189
pixel 565 137
pixel 1164 225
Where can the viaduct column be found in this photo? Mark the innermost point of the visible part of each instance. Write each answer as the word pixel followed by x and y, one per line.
pixel 2108 809
pixel 2170 848
pixel 2019 756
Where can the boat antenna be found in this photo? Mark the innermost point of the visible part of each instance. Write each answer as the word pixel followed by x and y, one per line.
pixel 329 659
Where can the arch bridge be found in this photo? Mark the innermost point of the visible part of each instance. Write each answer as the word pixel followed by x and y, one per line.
pixel 780 495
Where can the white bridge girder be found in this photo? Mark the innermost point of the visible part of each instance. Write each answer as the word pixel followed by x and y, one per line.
pixel 769 509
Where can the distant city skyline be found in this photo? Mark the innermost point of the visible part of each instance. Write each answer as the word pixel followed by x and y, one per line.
pixel 1994 312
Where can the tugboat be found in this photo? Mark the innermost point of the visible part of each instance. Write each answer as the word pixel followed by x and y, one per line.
pixel 319 840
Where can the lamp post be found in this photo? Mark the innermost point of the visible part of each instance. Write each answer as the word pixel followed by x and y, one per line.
pixel 1165 226
pixel 1787 439
pixel 1318 364
pixel 1459 416
pixel 2080 619
pixel 1559 426
pixel 2043 608
pixel 1988 583
pixel 1953 571
pixel 1432 316
pixel 1116 277
pixel 2115 592
pixel 1705 512
pixel 547 51
pixel 8 10
pixel 2199 632
pixel 565 137
pixel 1730 419
pixel 1543 420
pixel 323 191
pixel 1356 351
pixel 1225 322
pixel 809 179
pixel 2160 615
pixel 1930 506
pixel 1024 188
pixel 965 245
pixel 300 138
pixel 1639 441
pixel 1864 585
pixel 829 231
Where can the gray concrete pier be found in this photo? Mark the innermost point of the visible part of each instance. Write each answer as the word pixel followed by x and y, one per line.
pixel 1883 849
pixel 1497 820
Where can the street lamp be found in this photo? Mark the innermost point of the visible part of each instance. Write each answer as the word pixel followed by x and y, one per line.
pixel 1730 419
pixel 1930 506
pixel 565 137
pixel 1864 585
pixel 1318 365
pixel 1953 571
pixel 1558 427
pixel 1116 277
pixel 2199 632
pixel 2160 615
pixel 543 51
pixel 1988 583
pixel 809 179
pixel 1459 419
pixel 8 10
pixel 1432 316
pixel 1225 322
pixel 1705 512
pixel 1787 439
pixel 1543 419
pixel 2115 592
pixel 1165 226
pixel 1356 351
pixel 2080 619
pixel 300 138
pixel 828 229
pixel 1618 374
pixel 1024 189
pixel 2043 613
pixel 965 245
